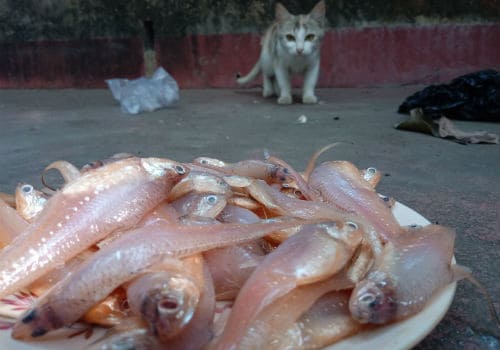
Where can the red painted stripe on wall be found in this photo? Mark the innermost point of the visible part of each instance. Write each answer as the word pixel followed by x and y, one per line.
pixel 208 60
pixel 74 63
pixel 350 57
pixel 403 55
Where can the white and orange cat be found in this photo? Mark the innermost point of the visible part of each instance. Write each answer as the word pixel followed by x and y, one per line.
pixel 291 45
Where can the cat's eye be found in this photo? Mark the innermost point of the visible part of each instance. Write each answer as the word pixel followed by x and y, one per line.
pixel 290 37
pixel 310 37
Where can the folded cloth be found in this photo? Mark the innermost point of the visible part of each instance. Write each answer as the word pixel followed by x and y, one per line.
pixel 444 128
pixel 447 129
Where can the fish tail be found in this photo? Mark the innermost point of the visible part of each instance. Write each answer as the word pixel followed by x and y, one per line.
pixel 462 272
pixel 312 161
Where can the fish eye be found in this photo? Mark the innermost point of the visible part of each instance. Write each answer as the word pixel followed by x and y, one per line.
pixel 352 225
pixel 211 199
pixel 27 188
pixel 94 164
pixel 203 161
pixel 290 37
pixel 371 171
pixel 310 37
pixel 180 170
pixel 367 298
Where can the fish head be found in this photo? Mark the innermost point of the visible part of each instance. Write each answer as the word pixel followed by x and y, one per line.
pixel 210 162
pixel 99 163
pixel 342 169
pixel 211 204
pixel 283 175
pixel 29 201
pixel 199 182
pixel 349 233
pixel 169 308
pixel 373 299
pixel 207 205
pixel 371 175
pixel 92 165
pixel 159 167
pixel 38 321
pixel 205 182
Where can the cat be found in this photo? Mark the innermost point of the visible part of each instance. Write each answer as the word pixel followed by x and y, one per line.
pixel 291 45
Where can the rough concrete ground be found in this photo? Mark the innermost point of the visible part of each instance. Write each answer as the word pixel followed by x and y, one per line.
pixel 448 183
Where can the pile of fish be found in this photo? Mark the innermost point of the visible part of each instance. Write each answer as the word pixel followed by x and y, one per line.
pixel 151 248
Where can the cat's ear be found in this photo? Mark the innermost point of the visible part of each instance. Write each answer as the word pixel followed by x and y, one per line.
pixel 318 12
pixel 281 13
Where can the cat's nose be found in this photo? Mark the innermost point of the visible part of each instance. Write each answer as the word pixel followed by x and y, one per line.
pixel 300 50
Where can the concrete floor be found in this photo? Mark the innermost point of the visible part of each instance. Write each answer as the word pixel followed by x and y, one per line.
pixel 449 183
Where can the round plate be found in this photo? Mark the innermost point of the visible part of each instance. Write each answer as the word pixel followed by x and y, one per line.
pixel 405 334
pixel 401 335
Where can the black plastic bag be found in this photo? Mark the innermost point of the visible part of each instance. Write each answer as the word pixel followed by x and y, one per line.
pixel 474 97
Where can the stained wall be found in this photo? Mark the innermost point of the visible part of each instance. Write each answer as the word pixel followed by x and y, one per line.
pixel 74 43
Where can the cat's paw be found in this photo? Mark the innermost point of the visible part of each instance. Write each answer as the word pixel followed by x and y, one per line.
pixel 285 100
pixel 309 99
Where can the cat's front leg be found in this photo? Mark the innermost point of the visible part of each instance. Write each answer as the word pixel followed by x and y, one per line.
pixel 276 87
pixel 310 79
pixel 283 79
pixel 267 86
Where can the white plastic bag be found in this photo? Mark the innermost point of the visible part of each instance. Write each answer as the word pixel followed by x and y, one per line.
pixel 145 94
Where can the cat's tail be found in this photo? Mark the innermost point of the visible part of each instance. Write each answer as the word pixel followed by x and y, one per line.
pixel 250 76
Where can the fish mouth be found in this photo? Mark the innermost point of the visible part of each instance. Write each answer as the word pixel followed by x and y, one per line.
pixel 35 323
pixel 373 302
pixel 158 167
pixel 168 309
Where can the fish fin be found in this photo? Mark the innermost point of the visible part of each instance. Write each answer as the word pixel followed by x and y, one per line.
pixel 312 162
pixel 441 238
pixel 462 272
